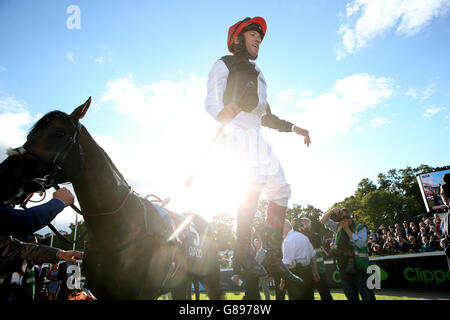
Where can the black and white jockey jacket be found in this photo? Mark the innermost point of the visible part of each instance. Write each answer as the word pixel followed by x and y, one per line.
pixel 227 83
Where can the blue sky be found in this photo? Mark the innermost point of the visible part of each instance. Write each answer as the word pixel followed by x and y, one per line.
pixel 369 79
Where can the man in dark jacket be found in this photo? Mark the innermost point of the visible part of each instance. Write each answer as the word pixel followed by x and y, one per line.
pixel 28 221
pixel 20 223
pixel 11 247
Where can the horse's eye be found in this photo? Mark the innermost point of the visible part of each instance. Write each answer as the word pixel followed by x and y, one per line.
pixel 60 133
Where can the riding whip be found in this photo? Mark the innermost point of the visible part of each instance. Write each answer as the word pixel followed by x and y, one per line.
pixel 250 84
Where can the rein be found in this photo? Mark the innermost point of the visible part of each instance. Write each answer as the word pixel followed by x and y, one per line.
pixel 146 233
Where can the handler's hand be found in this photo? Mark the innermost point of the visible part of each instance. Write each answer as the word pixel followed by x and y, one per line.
pixel 64 195
pixel 303 132
pixel 228 112
pixel 69 255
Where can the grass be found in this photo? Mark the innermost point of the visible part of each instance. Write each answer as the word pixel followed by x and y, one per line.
pixel 336 296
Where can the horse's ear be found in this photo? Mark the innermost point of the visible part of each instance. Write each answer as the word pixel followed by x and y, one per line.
pixel 79 112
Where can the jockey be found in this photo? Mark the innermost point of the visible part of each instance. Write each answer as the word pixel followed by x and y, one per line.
pixel 237 98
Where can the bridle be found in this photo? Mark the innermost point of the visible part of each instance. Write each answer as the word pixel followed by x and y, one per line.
pixel 59 159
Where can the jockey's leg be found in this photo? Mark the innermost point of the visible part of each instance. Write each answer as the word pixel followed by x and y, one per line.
pixel 278 192
pixel 244 254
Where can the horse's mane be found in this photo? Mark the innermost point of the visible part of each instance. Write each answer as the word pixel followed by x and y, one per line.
pixel 113 166
pixel 49 117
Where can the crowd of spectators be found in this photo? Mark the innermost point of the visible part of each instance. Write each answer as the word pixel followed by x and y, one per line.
pixel 408 237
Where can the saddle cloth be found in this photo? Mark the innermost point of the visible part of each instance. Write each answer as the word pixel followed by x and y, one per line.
pixel 181 230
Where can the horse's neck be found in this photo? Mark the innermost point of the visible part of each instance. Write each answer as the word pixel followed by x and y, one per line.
pixel 101 188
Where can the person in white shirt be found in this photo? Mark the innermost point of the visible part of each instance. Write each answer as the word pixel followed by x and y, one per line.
pixel 237 98
pixel 299 256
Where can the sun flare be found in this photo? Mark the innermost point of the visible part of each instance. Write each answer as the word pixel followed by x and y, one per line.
pixel 218 187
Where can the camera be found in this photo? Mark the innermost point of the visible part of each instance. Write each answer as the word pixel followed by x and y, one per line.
pixel 340 214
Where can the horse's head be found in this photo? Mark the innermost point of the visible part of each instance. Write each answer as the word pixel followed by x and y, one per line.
pixel 51 154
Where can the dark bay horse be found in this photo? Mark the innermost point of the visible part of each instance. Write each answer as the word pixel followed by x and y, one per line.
pixel 128 255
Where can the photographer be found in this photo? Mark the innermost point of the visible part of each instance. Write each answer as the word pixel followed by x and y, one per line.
pixel 351 252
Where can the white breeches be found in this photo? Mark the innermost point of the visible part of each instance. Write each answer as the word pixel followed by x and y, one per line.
pixel 260 162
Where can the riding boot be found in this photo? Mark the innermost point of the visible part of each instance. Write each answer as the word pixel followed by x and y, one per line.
pixel 244 255
pixel 273 238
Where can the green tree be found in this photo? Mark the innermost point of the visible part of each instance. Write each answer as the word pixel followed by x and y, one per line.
pixel 57 242
pixel 365 186
pixel 224 235
pixel 81 238
pixel 310 212
pixel 396 197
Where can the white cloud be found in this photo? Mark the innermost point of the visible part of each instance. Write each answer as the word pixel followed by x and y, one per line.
pixel 14 123
pixel 3 69
pixel 422 94
pixel 287 95
pixel 100 60
pixel 334 112
pixel 327 115
pixel 378 122
pixel 428 92
pixel 9 103
pixel 367 19
pixel 305 94
pixel 412 93
pixel 70 57
pixel 432 111
pixel 104 57
pixel 290 95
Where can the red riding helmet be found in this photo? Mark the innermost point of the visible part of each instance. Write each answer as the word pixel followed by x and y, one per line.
pixel 257 23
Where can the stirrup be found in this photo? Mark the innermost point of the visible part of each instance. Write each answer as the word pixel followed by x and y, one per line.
pixel 278 264
pixel 289 275
pixel 250 267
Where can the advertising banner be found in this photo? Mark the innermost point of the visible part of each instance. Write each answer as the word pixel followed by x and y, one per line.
pixel 420 271
pixel 414 271
pixel 430 184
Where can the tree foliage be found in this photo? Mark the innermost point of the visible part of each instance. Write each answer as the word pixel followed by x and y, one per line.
pixel 61 244
pixel 396 197
pixel 223 226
